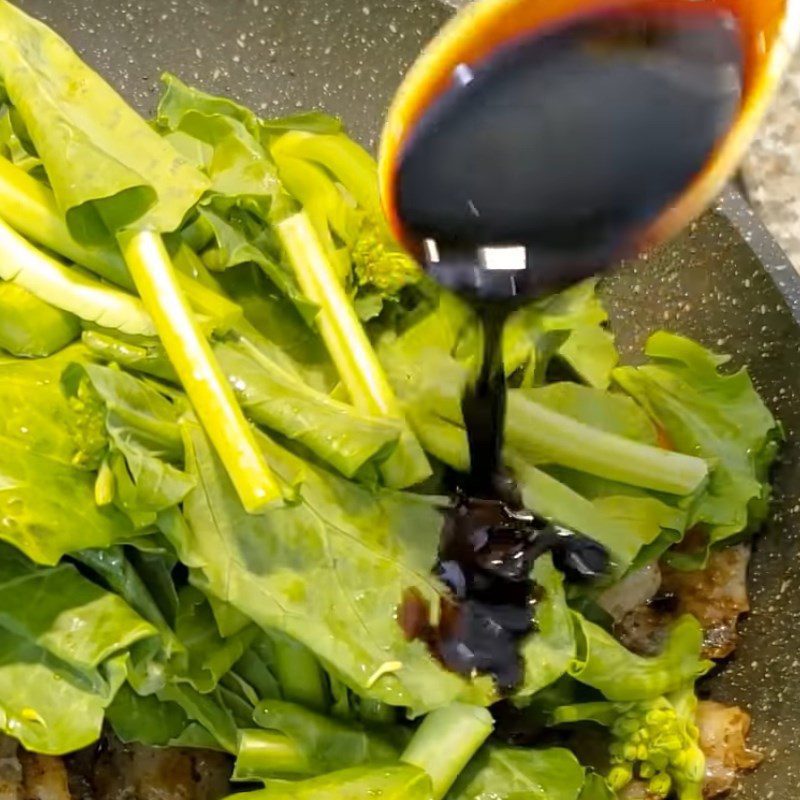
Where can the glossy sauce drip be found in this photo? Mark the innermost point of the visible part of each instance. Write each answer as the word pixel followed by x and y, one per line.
pixel 570 143
pixel 487 552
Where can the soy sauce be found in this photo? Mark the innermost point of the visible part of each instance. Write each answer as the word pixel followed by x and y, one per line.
pixel 561 147
pixel 571 142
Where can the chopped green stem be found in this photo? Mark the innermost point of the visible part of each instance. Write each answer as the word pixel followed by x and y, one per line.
pixel 546 437
pixel 205 384
pixel 446 741
pixel 30 207
pixel 66 289
pixel 300 674
pixel 262 754
pixel 348 345
pixel 203 293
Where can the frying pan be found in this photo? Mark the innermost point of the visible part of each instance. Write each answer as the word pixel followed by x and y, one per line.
pixel 725 281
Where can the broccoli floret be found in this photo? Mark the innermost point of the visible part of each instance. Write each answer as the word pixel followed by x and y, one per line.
pixel 652 741
pixel 379 265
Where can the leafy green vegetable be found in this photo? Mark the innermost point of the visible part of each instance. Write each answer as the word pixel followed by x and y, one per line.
pixel 350 348
pixel 205 656
pixel 155 722
pixel 508 773
pixel 548 653
pixel 429 361
pixel 336 432
pixel 329 570
pixel 143 442
pixel 622 675
pixel 717 416
pixel 626 521
pixel 47 503
pixel 114 177
pixel 54 685
pixel 276 398
pixel 31 328
pixel 67 289
pixel 107 168
pixel 568 326
pixel 244 183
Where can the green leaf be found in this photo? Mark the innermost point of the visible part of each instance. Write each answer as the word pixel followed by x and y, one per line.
pixel 206 656
pixel 152 597
pixel 108 169
pixel 31 328
pixel 548 653
pixel 69 289
pixel 544 436
pixel 717 416
pixel 329 570
pixel 178 99
pixel 429 363
pixel 335 432
pixel 47 503
pixel 508 773
pixel 62 653
pixel 47 707
pixel 154 722
pixel 144 439
pixel 349 347
pixel 568 326
pixel 606 411
pixel 622 675
pixel 308 121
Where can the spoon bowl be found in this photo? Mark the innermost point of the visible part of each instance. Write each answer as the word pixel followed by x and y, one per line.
pixel 764 31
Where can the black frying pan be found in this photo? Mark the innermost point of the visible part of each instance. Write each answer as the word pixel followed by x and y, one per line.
pixel 725 282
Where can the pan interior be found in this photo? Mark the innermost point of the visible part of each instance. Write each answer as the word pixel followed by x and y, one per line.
pixel 724 282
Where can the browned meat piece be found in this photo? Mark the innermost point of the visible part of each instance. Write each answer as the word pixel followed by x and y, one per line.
pixel 634 590
pixel 134 772
pixel 10 770
pixel 717 596
pixel 643 630
pixel 44 777
pixel 723 738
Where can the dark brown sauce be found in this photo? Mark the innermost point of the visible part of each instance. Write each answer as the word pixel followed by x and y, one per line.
pixel 572 141
pixel 486 556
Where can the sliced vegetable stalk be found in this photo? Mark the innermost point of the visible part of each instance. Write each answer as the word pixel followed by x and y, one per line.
pixel 263 753
pixel 544 436
pixel 64 288
pixel 446 741
pixel 191 355
pixel 349 346
pixel 31 328
pixel 30 208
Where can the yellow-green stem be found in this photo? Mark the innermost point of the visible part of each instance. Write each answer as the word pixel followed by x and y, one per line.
pixel 30 208
pixel 204 382
pixel 348 345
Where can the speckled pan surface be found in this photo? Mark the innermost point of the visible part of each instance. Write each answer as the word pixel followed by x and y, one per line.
pixel 725 282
